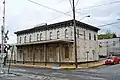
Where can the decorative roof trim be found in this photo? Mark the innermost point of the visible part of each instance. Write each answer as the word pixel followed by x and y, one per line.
pixel 57 25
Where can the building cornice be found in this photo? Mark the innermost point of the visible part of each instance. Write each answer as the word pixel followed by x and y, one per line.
pixel 57 25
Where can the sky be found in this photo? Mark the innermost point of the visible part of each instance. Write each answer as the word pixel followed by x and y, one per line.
pixel 22 14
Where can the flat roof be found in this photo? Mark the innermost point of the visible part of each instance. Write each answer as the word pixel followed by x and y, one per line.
pixel 57 25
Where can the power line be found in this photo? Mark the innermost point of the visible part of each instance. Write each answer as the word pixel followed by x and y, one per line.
pixel 49 8
pixel 57 17
pixel 100 5
pixel 70 4
pixel 76 3
pixel 60 1
pixel 109 24
pixel 79 12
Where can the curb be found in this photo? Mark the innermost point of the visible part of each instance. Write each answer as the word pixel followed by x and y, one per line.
pixel 57 68
pixel 32 66
pixel 96 66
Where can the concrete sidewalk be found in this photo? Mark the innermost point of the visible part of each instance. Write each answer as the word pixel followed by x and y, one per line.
pixel 66 67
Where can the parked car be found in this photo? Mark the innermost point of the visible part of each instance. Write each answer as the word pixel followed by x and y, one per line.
pixel 102 56
pixel 112 60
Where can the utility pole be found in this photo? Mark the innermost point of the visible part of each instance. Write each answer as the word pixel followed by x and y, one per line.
pixel 2 30
pixel 75 41
pixel 2 54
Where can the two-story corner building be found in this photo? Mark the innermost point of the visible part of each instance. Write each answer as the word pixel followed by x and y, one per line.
pixel 54 43
pixel 109 46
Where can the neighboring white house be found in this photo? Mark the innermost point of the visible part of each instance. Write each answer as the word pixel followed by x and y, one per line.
pixel 54 43
pixel 109 46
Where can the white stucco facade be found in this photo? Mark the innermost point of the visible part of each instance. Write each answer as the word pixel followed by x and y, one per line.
pixel 87 44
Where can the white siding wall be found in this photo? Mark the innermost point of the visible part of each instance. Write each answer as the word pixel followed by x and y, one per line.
pixel 104 49
pixel 83 45
pixel 44 36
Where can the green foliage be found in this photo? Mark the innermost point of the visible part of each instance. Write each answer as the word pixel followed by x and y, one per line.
pixel 107 35
pixel 114 36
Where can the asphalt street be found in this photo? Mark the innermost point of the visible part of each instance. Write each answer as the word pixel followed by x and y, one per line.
pixel 110 72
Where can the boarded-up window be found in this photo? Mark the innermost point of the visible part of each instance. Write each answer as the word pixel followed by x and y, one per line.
pixel 20 53
pixel 66 52
pixel 50 52
pixel 41 54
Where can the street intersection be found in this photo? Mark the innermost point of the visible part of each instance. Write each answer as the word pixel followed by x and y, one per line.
pixel 109 72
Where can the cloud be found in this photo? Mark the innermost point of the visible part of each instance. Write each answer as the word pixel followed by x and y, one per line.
pixel 22 14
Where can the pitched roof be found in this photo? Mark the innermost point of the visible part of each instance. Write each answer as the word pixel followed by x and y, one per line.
pixel 57 25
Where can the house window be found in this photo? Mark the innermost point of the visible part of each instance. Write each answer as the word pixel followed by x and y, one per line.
pixel 66 33
pixel 20 39
pixel 40 36
pixel 66 52
pixel 71 33
pixel 84 34
pixel 114 43
pixel 37 37
pixel 30 38
pixel 94 37
pixel 25 39
pixel 89 36
pixel 107 44
pixel 78 33
pixel 20 55
pixel 58 33
pixel 50 35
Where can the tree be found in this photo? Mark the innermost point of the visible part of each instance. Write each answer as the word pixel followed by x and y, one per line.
pixel 107 35
pixel 114 35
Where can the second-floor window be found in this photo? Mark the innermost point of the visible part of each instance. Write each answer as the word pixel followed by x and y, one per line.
pixel 77 33
pixel 50 35
pixel 30 38
pixel 20 39
pixel 107 44
pixel 71 33
pixel 114 43
pixel 37 37
pixel 84 34
pixel 58 33
pixel 66 33
pixel 40 36
pixel 94 37
pixel 25 39
pixel 89 36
